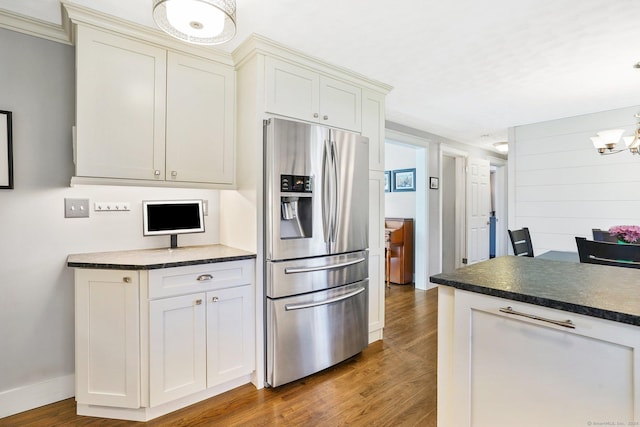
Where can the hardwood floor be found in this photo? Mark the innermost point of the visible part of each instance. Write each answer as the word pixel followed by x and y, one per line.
pixel 391 383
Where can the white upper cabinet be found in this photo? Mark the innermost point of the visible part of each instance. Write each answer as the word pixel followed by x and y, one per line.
pixel 200 120
pixel 147 115
pixel 120 106
pixel 301 93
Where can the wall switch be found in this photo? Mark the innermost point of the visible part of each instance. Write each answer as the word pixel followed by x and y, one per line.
pixel 76 208
pixel 112 206
pixel 205 207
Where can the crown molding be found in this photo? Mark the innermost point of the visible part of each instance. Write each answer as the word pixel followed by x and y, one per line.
pixel 36 27
pixel 257 44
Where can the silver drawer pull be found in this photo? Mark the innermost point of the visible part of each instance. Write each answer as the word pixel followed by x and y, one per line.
pixel 204 277
pixel 294 270
pixel 564 323
pixel 214 299
pixel 198 301
pixel 289 307
pixel 126 279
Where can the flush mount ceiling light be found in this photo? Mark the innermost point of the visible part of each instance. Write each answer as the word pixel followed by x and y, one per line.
pixel 606 141
pixel 204 22
pixel 502 146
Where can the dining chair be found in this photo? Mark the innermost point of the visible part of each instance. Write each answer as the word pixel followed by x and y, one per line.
pixel 521 242
pixel 603 236
pixel 608 253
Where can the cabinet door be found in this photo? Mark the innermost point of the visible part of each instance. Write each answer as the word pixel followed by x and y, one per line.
pixel 230 338
pixel 373 127
pixel 200 120
pixel 177 347
pixel 511 370
pixel 120 110
pixel 107 338
pixel 340 104
pixel 291 91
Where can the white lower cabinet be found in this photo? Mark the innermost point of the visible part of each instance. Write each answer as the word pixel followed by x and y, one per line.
pixel 229 334
pixel 177 347
pixel 150 342
pixel 531 368
pixel 107 347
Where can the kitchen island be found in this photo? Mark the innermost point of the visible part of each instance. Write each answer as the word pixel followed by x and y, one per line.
pixel 529 342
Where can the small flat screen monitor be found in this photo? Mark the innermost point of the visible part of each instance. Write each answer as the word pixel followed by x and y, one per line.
pixel 172 217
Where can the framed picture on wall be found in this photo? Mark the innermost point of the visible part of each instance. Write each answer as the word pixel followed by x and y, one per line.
pixel 404 180
pixel 6 151
pixel 387 181
pixel 434 183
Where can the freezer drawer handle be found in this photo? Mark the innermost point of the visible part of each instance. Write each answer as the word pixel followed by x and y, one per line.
pixel 294 270
pixel 289 307
pixel 565 323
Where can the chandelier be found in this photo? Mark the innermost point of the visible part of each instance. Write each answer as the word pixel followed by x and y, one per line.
pixel 203 22
pixel 606 141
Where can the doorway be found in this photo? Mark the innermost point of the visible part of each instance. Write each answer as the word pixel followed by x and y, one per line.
pixel 454 209
pixel 407 152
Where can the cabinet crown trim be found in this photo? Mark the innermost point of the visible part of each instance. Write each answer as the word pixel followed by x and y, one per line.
pixel 258 44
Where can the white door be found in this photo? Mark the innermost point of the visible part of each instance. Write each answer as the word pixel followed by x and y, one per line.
pixel 478 207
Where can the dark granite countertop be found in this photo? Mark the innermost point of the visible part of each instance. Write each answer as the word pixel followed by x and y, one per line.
pixel 151 259
pixel 611 293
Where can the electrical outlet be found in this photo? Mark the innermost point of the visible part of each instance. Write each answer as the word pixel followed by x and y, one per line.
pixel 76 208
pixel 112 206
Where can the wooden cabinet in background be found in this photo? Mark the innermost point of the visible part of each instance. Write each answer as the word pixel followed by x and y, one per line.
pixel 400 247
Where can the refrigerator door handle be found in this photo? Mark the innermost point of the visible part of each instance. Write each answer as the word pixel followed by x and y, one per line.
pixel 335 199
pixel 294 270
pixel 326 192
pixel 289 307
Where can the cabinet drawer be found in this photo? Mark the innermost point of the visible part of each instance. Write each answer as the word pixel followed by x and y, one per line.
pixel 197 278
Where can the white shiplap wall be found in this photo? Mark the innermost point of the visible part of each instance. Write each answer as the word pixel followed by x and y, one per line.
pixel 560 187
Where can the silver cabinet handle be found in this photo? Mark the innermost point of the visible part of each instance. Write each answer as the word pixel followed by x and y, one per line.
pixel 564 323
pixel 289 307
pixel 294 270
pixel 214 299
pixel 325 117
pixel 126 279
pixel 156 172
pixel 174 173
pixel 198 301
pixel 204 277
pixel 315 115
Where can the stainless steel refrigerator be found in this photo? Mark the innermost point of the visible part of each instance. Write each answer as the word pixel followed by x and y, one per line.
pixel 316 248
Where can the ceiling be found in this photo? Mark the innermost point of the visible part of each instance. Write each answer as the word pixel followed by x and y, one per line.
pixel 463 69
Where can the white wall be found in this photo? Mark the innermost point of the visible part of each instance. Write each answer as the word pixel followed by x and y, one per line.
pixel 400 204
pixel 560 187
pixel 36 287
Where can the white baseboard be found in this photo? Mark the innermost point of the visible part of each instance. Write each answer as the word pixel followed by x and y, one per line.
pixel 35 395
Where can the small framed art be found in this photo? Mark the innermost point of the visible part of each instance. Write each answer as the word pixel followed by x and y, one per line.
pixel 387 181
pixel 404 180
pixel 434 183
pixel 6 151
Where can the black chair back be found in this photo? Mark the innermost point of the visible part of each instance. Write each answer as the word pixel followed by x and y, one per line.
pixel 607 253
pixel 603 236
pixel 521 242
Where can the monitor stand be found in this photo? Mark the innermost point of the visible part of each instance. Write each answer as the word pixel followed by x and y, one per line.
pixel 174 241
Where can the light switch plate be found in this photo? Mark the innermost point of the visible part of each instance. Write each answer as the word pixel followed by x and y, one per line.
pixel 76 208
